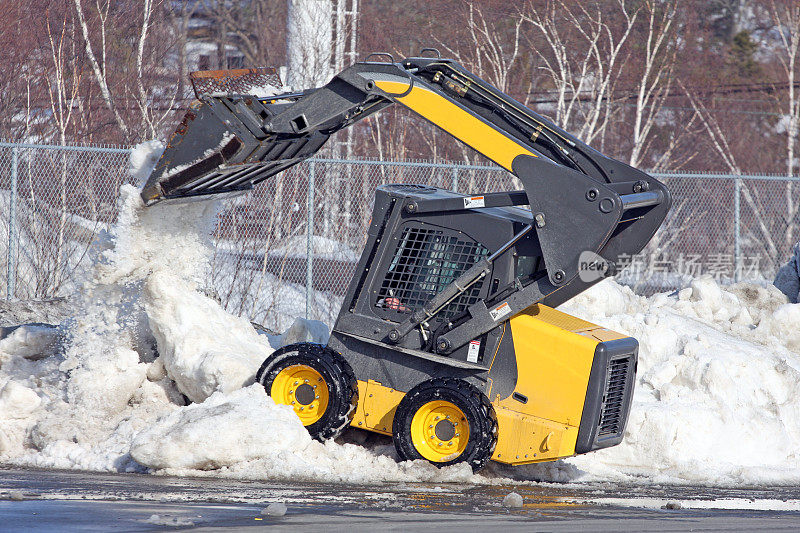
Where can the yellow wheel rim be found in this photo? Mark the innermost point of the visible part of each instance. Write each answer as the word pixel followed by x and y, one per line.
pixel 303 388
pixel 439 431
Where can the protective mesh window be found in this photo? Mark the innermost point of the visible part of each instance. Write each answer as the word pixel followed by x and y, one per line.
pixel 425 262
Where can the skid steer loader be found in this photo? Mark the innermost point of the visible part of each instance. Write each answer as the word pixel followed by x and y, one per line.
pixel 448 339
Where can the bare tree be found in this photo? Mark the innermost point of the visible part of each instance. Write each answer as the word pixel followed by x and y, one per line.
pixel 786 18
pixel 655 80
pixel 251 27
pixel 154 111
pixel 133 85
pixel 309 43
pixel 63 85
pixel 183 16
pixel 762 217
pixel 99 63
pixel 583 59
pixel 64 82
pixel 493 49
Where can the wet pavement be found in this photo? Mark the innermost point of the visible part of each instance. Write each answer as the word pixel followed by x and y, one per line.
pixel 50 500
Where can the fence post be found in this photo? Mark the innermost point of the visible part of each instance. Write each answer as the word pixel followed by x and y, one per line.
pixel 455 179
pixel 310 239
pixel 11 263
pixel 737 231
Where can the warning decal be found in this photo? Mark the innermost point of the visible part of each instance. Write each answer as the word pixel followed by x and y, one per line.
pixel 472 202
pixel 474 350
pixel 500 311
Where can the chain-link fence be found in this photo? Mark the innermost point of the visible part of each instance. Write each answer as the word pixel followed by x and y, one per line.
pixel 54 202
pixel 290 247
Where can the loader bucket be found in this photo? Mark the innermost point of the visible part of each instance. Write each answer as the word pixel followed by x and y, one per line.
pixel 221 147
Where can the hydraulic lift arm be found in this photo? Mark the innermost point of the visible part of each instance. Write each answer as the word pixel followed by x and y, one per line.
pixel 580 200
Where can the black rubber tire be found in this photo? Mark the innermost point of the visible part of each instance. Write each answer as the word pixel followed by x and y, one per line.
pixel 339 377
pixel 472 402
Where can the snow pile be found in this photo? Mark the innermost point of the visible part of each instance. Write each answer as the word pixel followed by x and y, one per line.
pixel 718 390
pixel 105 384
pixel 303 330
pixel 274 509
pixel 264 91
pixel 512 500
pixel 203 348
pixel 169 521
pixel 237 422
pixel 17 400
pixel 30 341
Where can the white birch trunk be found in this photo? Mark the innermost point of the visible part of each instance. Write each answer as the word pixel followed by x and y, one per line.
pixel 98 70
pixel 309 43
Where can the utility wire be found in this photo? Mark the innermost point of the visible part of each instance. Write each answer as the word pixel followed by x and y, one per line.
pixel 734 88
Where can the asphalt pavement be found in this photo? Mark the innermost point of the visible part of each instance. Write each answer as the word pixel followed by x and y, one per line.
pixel 47 500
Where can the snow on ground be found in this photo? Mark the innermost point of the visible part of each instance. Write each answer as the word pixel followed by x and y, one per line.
pixel 269 300
pixel 718 389
pixel 322 248
pixel 52 311
pixel 755 504
pixel 716 402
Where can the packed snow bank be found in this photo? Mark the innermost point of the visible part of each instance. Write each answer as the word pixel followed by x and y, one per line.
pixel 245 424
pixel 244 434
pixel 30 341
pixel 718 390
pixel 303 330
pixel 203 348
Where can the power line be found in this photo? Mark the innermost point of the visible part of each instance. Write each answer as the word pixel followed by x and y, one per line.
pixel 704 92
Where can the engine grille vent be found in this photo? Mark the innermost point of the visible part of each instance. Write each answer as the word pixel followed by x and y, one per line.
pixel 424 263
pixel 612 417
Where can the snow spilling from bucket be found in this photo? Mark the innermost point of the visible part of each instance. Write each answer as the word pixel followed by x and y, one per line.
pixel 717 399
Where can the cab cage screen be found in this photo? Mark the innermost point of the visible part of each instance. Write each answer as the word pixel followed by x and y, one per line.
pixel 425 261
